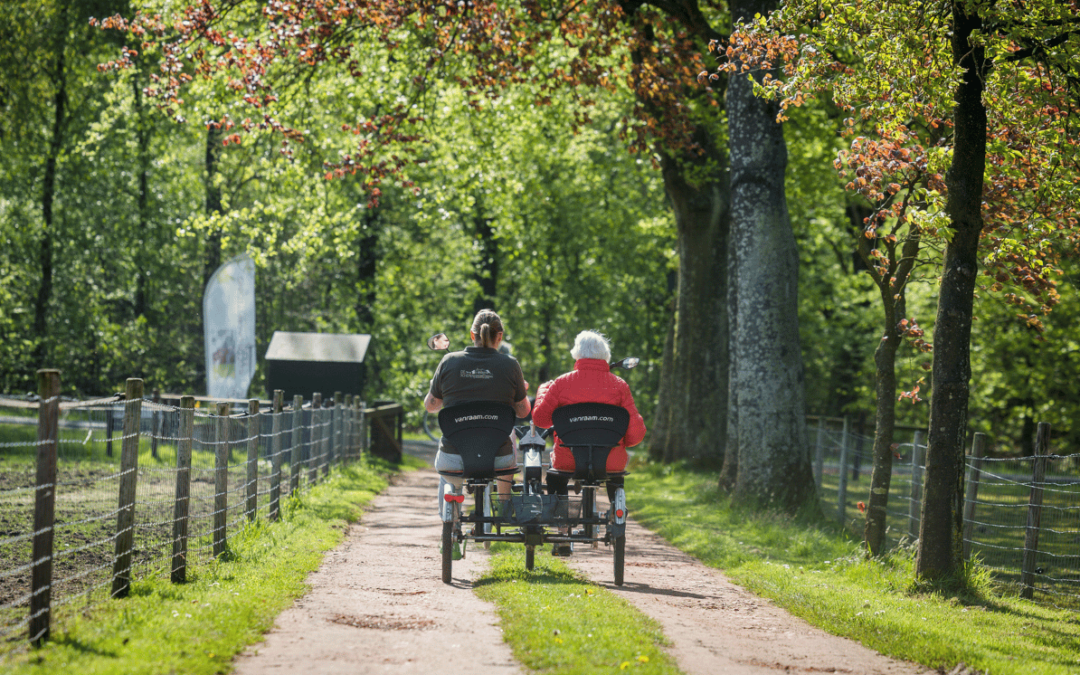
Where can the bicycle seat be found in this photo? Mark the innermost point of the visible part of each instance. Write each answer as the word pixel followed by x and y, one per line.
pixel 590 431
pixel 477 430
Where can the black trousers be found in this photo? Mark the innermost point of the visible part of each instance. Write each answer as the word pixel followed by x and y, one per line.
pixel 559 485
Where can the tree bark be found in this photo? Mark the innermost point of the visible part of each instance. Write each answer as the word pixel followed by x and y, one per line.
pixel 941 523
pixel 142 139
pixel 891 287
pixel 773 454
pixel 697 391
pixel 213 202
pixel 487 272
pixel 48 191
pixel 884 424
pixel 367 269
pixel 662 418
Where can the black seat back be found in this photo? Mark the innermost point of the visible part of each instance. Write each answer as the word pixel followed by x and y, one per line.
pixel 476 430
pixel 590 431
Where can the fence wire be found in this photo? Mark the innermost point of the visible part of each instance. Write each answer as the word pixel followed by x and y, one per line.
pixel 235 453
pixel 999 512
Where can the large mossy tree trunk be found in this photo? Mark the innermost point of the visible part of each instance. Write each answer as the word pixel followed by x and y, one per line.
pixel 941 523
pixel 695 403
pixel 773 455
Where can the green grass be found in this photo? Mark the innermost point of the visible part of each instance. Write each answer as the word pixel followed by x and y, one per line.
pixel 1000 517
pixel 199 626
pixel 817 571
pixel 558 623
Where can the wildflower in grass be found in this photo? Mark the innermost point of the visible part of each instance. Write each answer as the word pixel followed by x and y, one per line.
pixel 862 507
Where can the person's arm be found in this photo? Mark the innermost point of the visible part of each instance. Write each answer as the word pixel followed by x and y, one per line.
pixel 546 402
pixel 635 432
pixel 522 408
pixel 433 405
pixel 434 399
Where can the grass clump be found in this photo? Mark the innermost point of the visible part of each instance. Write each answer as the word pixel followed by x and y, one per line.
pixel 558 623
pixel 819 572
pixel 198 627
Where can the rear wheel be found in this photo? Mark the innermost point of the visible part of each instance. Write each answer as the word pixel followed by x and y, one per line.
pixel 588 507
pixel 447 550
pixel 530 557
pixel 620 559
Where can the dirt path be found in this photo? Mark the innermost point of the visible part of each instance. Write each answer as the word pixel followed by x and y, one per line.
pixel 377 606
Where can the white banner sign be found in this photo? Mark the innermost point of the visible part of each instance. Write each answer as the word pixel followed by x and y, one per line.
pixel 229 316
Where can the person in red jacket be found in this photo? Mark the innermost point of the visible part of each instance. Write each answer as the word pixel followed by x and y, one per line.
pixel 591 381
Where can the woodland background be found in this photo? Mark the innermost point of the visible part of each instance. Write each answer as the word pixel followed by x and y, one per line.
pixel 113 215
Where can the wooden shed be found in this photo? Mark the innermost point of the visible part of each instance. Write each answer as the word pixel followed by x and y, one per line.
pixel 302 363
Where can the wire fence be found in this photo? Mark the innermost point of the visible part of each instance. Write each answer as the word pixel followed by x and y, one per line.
pixel 96 494
pixel 1021 516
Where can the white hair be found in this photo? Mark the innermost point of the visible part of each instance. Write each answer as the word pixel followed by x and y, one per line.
pixel 591 345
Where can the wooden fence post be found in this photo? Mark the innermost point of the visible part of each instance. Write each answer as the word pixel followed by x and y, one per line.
pixel 918 458
pixel 297 441
pixel 819 451
pixel 1034 515
pixel 327 436
pixel 358 426
pixel 315 447
pixel 41 563
pixel 334 450
pixel 221 478
pixel 110 425
pixel 338 449
pixel 841 492
pixel 156 423
pixel 183 489
pixel 129 472
pixel 275 458
pixel 254 436
pixel 346 426
pixel 978 448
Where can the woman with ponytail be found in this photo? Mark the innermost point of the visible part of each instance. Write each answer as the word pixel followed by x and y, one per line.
pixel 479 373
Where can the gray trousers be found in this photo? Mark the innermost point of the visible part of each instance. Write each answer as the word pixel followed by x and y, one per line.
pixel 445 461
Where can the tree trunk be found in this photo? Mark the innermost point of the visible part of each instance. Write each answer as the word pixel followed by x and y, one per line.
pixel 891 286
pixel 884 425
pixel 774 459
pixel 942 519
pixel 697 392
pixel 48 192
pixel 658 432
pixel 367 268
pixel 142 137
pixel 213 202
pixel 487 272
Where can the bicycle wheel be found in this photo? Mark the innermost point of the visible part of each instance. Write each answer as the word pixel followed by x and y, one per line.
pixel 447 550
pixel 620 559
pixel 427 427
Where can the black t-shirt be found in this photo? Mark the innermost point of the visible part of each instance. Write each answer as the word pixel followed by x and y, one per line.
pixel 478 374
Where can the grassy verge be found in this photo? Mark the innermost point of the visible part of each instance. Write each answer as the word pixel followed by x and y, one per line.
pixel 199 626
pixel 818 572
pixel 558 623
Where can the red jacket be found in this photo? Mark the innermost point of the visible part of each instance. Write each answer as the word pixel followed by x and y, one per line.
pixel 591 381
